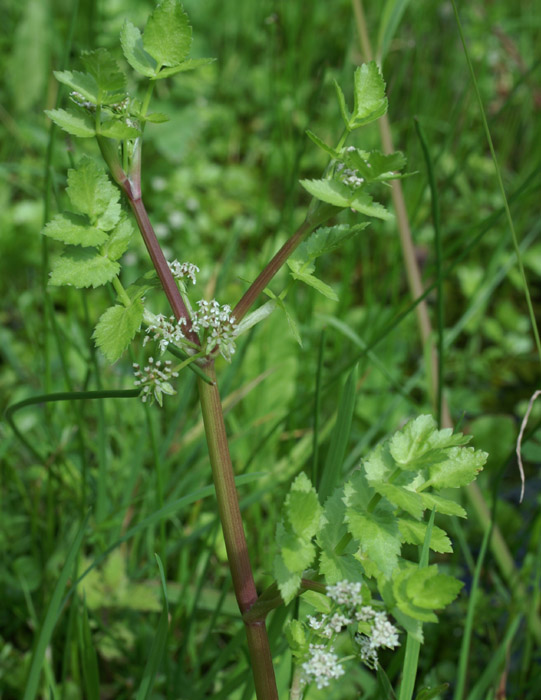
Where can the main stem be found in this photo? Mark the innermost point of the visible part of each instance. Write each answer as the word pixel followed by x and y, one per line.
pixel 235 540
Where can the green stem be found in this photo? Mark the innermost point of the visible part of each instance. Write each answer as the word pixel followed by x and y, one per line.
pixel 235 540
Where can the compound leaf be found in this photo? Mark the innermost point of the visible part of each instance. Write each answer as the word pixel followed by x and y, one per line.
pixel 83 83
pixel 119 240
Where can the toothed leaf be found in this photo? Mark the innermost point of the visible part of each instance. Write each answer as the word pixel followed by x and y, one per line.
pixel 74 230
pixel 76 123
pixel 168 34
pixel 81 267
pixel 132 46
pixel 116 329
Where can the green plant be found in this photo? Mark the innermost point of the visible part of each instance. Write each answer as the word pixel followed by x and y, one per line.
pixel 97 232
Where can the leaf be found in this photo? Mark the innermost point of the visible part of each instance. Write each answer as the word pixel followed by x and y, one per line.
pixel 430 693
pixel 109 79
pixel 442 505
pixel 92 193
pixel 370 101
pixel 119 240
pixel 402 498
pixel 374 166
pixel 420 438
pixel 76 123
pixel 295 635
pixel 431 590
pixel 296 551
pixel 302 507
pixel 342 104
pixel 363 203
pixel 117 129
pixel 83 268
pixel 190 64
pixel 340 195
pixel 330 191
pixel 316 283
pixel 413 532
pixel 83 83
pixel 461 468
pixel 378 535
pixel 157 118
pixel 89 659
pixel 403 599
pixel 116 329
pixel 73 230
pixel 331 474
pixel 132 46
pixel 323 240
pixel 168 34
pixel 288 582
pixel 319 142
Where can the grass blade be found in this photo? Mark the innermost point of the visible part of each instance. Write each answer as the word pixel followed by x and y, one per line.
pixel 339 440
pixel 89 659
pixel 51 616
pixel 158 645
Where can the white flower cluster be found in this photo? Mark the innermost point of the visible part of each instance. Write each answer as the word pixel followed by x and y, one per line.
pixel 154 380
pixel 218 326
pixel 166 331
pixel 321 666
pixel 377 630
pixel 382 634
pixel 346 593
pixel 182 270
pixel 349 176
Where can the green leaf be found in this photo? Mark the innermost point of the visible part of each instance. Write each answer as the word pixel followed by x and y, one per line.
pixel 340 195
pixel 168 34
pixel 295 635
pixel 109 79
pixel 330 191
pixel 378 535
pixel 403 599
pixel 117 129
pixel 369 98
pixel 296 552
pixel 442 505
pixel 461 467
pixel 413 532
pixel 157 118
pixel 364 204
pixel 342 104
pixel 319 142
pixel 73 230
pixel 302 507
pixel 316 283
pixel 76 123
pixel 190 64
pixel 83 83
pixel 132 46
pixel 402 498
pixel 374 166
pixel 83 268
pixel 430 693
pixel 431 590
pixel 323 240
pixel 119 240
pixel 92 193
pixel 288 582
pixel 116 329
pixel 331 474
pixel 89 659
pixel 420 438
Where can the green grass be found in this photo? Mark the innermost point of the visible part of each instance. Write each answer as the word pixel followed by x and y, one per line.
pixel 229 163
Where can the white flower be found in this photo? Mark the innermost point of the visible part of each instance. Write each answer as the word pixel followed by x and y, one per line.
pixel 166 331
pixel 321 666
pixel 384 633
pixel 185 269
pixel 218 327
pixel 154 380
pixel 368 654
pixel 346 593
pixel 337 621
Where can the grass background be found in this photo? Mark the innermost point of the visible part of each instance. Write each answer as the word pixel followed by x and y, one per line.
pixel 221 185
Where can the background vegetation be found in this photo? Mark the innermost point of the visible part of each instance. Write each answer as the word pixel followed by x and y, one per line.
pixel 221 183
